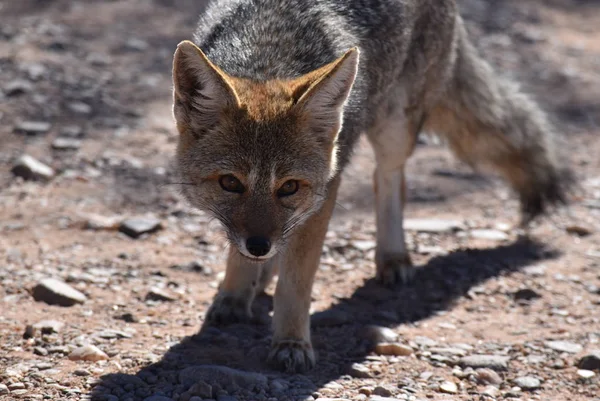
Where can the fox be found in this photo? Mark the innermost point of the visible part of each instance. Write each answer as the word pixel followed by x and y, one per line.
pixel 269 100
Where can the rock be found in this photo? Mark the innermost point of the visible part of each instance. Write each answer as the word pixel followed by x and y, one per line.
pixel 16 386
pixel 433 225
pixel 88 353
pixel 29 332
pixel 331 317
pixel 33 127
pixel 17 87
pixel 30 168
pixel 363 245
pixel 158 398
pixel 488 376
pixel 19 393
pixel 491 391
pixel 382 391
pixel 66 144
pixel 135 227
pixel 127 317
pixel 379 334
pixel 580 231
pixel 360 371
pixel 535 270
pixel 448 388
pixel 226 398
pixel 491 235
pixel 81 372
pixel 590 361
pixel 494 362
pixel 98 222
pixel 200 389
pixel 110 334
pixel 223 377
pixel 564 346
pixel 71 131
pixel 526 294
pixel 56 292
pixel 3 389
pixel 395 349
pixel 157 294
pixel 585 374
pixel 527 383
pixel 79 107
pixel 448 351
pixel 424 341
pixel 49 326
pixel 40 351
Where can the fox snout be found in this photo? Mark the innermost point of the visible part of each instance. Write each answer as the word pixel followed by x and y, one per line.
pixel 258 246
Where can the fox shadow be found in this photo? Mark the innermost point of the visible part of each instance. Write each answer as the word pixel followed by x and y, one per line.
pixel 341 334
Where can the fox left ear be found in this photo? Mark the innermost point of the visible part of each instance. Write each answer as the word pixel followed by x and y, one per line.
pixel 322 104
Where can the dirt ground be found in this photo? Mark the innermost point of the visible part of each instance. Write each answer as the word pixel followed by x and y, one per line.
pixel 98 74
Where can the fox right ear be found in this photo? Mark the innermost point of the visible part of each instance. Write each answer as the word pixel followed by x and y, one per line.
pixel 200 90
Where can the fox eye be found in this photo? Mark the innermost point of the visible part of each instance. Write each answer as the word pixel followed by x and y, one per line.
pixel 231 184
pixel 288 188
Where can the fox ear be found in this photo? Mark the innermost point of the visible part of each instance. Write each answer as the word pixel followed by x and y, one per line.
pixel 200 90
pixel 322 104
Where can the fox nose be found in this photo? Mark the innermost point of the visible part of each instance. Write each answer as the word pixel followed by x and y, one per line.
pixel 258 246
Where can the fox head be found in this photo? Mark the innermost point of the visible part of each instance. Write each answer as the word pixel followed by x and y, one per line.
pixel 258 155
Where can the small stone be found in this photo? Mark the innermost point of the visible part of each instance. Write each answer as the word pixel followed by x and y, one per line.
pixel 158 398
pixel 526 294
pixel 564 346
pixel 363 245
pixel 359 371
pixel 49 326
pixel 448 351
pixel 29 332
pixel 226 398
pixel 19 393
pixel 535 270
pixel 433 225
pixel 136 44
pixel 580 231
pixel 56 292
pixel 40 351
pixel 71 131
pixel 127 317
pixel 33 127
pixel 135 227
pixel 88 353
pixel 424 341
pixel 81 372
pixel 366 391
pixel 98 222
pixel 494 362
pixel 80 107
pixel 3 389
pixel 66 144
pixel 16 386
pixel 17 87
pixel 448 388
pixel 590 361
pixel 395 349
pixel 379 334
pixel 30 168
pixel 491 391
pixel 382 391
pixel 490 235
pixel 527 383
pixel 585 374
pixel 200 389
pixel 157 294
pixel 488 376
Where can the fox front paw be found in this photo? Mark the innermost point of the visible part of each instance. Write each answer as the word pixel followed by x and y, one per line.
pixel 292 356
pixel 227 309
pixel 394 268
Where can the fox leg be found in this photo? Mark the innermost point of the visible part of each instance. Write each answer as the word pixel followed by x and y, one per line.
pixel 291 348
pixel 393 142
pixel 243 280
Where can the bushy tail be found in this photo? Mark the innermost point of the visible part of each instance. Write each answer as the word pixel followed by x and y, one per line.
pixel 488 122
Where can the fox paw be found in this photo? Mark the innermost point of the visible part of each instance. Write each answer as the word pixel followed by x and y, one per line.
pixel 227 309
pixel 394 268
pixel 292 356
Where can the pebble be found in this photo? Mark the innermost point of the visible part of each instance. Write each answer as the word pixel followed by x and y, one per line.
pixel 99 222
pixel 580 231
pixel 226 398
pixel 526 294
pixel 590 361
pixel 49 326
pixel 527 383
pixel 19 392
pixel 40 351
pixel 491 235
pixel 61 143
pixel 432 225
pixel 127 317
pixel 158 398
pixel 3 389
pixel 33 127
pixel 81 372
pixel 30 168
pixel 29 332
pixel 488 376
pixel 585 374
pixel 395 349
pixel 88 353
pixel 135 227
pixel 16 386
pixel 157 294
pixel 494 362
pixel 360 371
pixel 564 346
pixel 491 391
pixel 382 391
pixel 200 389
pixel 56 292
pixel 17 87
pixel 448 388
pixel 380 334
pixel 80 107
